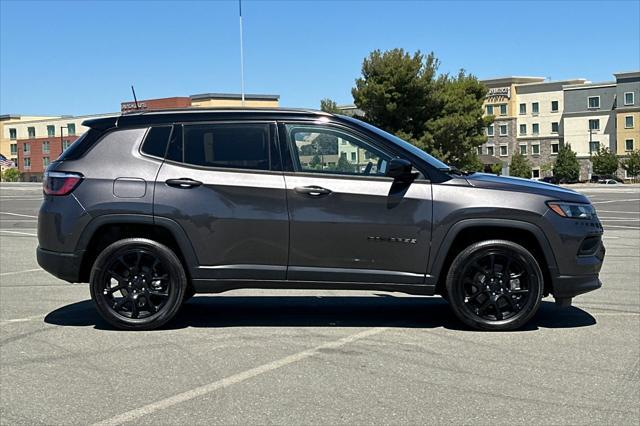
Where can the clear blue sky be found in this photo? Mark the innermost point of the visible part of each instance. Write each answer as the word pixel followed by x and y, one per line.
pixel 79 57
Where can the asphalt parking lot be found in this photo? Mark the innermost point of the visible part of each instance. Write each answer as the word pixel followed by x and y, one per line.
pixel 317 357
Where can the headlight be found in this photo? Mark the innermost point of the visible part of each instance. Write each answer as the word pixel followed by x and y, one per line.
pixel 572 210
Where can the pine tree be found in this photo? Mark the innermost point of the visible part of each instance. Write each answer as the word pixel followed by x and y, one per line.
pixel 520 166
pixel 566 167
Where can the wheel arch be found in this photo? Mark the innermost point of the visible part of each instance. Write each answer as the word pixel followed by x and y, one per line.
pixel 466 232
pixel 104 230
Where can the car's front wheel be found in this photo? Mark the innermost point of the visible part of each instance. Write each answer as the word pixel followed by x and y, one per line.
pixel 495 285
pixel 137 284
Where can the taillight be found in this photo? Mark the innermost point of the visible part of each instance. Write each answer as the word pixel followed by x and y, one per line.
pixel 60 183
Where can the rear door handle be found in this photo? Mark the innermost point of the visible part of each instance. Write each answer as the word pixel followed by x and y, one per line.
pixel 314 191
pixel 183 183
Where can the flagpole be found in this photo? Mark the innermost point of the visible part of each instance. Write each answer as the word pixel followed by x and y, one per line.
pixel 241 55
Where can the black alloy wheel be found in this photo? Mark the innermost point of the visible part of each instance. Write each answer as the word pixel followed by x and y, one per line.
pixel 495 285
pixel 137 284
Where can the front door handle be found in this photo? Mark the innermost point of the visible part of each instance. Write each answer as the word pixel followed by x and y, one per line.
pixel 314 191
pixel 183 183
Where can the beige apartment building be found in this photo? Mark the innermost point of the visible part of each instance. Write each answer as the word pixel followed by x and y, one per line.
pixel 627 112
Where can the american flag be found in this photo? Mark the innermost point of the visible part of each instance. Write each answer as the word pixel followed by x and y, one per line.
pixel 6 163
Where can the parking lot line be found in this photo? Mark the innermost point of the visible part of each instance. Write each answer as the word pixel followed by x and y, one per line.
pixel 4 274
pixel 20 215
pixel 622 226
pixel 18 233
pixel 615 201
pixel 235 379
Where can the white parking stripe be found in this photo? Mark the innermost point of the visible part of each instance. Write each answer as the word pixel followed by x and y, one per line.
pixel 132 415
pixel 616 211
pixel 616 201
pixel 622 226
pixel 18 233
pixel 15 320
pixel 4 274
pixel 21 215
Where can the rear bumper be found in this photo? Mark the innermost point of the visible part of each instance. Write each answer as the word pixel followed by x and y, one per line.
pixel 65 266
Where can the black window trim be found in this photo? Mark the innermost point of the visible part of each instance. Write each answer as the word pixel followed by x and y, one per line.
pixel 144 139
pixel 273 140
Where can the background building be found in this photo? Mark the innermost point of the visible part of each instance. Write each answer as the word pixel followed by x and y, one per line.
pixel 32 142
pixel 588 121
pixel 627 113
pixel 539 118
pixel 501 103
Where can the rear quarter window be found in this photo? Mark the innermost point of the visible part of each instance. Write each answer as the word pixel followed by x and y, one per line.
pixel 82 145
pixel 155 143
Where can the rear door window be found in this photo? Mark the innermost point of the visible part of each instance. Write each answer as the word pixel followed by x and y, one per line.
pixel 225 145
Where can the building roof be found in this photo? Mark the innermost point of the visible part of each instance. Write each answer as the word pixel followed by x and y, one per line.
pixel 589 85
pixel 512 80
pixel 489 159
pixel 627 74
pixel 247 96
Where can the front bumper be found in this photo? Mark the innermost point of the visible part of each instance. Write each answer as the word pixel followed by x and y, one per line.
pixel 568 286
pixel 65 266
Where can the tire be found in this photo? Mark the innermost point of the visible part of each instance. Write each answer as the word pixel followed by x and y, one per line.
pixel 137 284
pixel 483 297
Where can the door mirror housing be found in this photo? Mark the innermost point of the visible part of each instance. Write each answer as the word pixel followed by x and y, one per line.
pixel 400 169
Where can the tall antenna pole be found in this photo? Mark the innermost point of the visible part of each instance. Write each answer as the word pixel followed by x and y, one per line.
pixel 241 55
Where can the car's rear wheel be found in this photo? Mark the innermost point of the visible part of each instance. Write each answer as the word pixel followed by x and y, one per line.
pixel 495 285
pixel 137 284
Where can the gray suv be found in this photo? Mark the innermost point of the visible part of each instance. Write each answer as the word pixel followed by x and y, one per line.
pixel 153 207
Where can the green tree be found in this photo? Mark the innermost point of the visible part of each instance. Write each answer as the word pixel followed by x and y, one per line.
pixel 397 90
pixel 566 166
pixel 328 105
pixel 11 175
pixel 344 165
pixel 316 162
pixel 520 166
pixel 401 93
pixel 604 162
pixel 632 164
pixel 496 169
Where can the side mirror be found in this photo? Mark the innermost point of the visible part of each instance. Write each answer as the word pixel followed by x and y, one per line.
pixel 400 169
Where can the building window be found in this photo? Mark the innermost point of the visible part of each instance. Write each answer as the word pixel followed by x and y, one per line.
pixel 554 106
pixel 594 124
pixel 555 127
pixel 535 149
pixel 535 173
pixel 65 144
pixel 14 149
pixel 503 109
pixel 504 151
pixel 490 131
pixel 353 156
pixel 594 146
pixel 535 108
pixel 523 149
pixel 535 128
pixel 555 148
pixel 593 102
pixel 26 148
pixel 503 130
pixel 628 145
pixel 523 129
pixel 491 150
pixel 32 132
pixel 523 109
pixel 628 122
pixel 51 131
pixel 479 149
pixel 45 147
pixel 45 161
pixel 628 98
pixel 26 162
pixel 489 109
pixel 71 129
pixel 13 134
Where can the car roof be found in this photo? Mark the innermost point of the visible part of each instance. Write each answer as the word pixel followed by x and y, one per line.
pixel 148 117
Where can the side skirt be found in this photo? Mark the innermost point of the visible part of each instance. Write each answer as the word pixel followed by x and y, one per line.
pixel 222 285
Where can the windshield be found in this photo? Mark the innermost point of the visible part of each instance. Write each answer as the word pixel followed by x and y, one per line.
pixel 433 161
